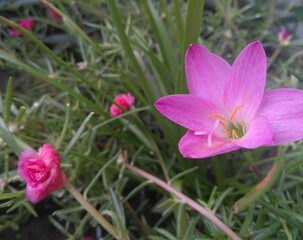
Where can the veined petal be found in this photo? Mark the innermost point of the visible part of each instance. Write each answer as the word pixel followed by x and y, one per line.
pixel 259 133
pixel 197 146
pixel 206 74
pixel 246 82
pixel 189 111
pixel 284 110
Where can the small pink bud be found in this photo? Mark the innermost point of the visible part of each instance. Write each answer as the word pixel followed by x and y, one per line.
pixel 27 24
pixel 284 36
pixel 53 14
pixel 82 65
pixel 122 158
pixel 41 171
pixel 125 101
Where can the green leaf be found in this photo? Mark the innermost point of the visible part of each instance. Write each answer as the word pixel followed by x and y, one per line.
pixel 11 195
pixel 8 100
pixel 17 145
pixel 77 135
pixel 167 50
pixel 192 30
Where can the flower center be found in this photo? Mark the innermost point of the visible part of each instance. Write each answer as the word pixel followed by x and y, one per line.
pixel 234 130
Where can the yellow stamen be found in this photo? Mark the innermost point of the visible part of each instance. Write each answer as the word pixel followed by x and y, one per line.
pixel 233 133
pixel 234 112
pixel 226 131
pixel 218 116
pixel 222 123
pixel 243 123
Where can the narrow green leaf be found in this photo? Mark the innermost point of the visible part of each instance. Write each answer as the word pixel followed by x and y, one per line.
pixel 135 190
pixel 191 35
pixel 166 48
pixel 11 202
pixel 261 188
pixel 8 57
pixel 11 195
pixel 17 145
pixel 179 22
pixel 247 221
pixel 77 135
pixel 21 114
pixel 99 173
pixel 8 100
pixel 116 204
pixel 66 123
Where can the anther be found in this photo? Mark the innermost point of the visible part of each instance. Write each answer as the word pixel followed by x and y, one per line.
pixel 243 123
pixel 228 132
pixel 222 123
pixel 234 112
pixel 218 116
pixel 234 133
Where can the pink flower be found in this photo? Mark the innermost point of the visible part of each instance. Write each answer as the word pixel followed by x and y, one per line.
pixel 87 238
pixel 53 14
pixel 227 108
pixel 41 171
pixel 124 100
pixel 284 36
pixel 27 24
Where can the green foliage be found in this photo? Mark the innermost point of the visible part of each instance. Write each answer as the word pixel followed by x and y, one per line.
pixel 138 47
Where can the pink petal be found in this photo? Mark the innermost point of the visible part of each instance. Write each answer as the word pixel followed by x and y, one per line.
pixel 34 194
pixel 284 110
pixel 193 146
pixel 48 155
pixel 189 111
pixel 206 74
pixel 246 82
pixel 259 133
pixel 23 160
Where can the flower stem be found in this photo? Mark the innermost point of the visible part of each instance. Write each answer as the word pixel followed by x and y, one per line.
pixel 187 200
pixel 262 186
pixel 252 165
pixel 273 57
pixel 93 212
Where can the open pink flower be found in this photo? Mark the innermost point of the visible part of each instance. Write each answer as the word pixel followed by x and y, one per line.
pixel 53 14
pixel 124 100
pixel 41 171
pixel 227 108
pixel 27 24
pixel 284 36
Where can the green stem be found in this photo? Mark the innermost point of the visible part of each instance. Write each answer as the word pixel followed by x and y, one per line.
pixel 261 188
pixel 93 212
pixel 219 171
pixel 252 165
pixel 273 57
pixel 209 215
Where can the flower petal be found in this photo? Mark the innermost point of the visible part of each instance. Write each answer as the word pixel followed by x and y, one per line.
pixel 206 74
pixel 193 146
pixel 189 111
pixel 259 133
pixel 23 161
pixel 246 82
pixel 284 110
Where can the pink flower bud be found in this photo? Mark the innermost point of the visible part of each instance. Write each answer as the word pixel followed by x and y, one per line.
pixel 53 14
pixel 41 171
pixel 27 24
pixel 284 36
pixel 124 100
